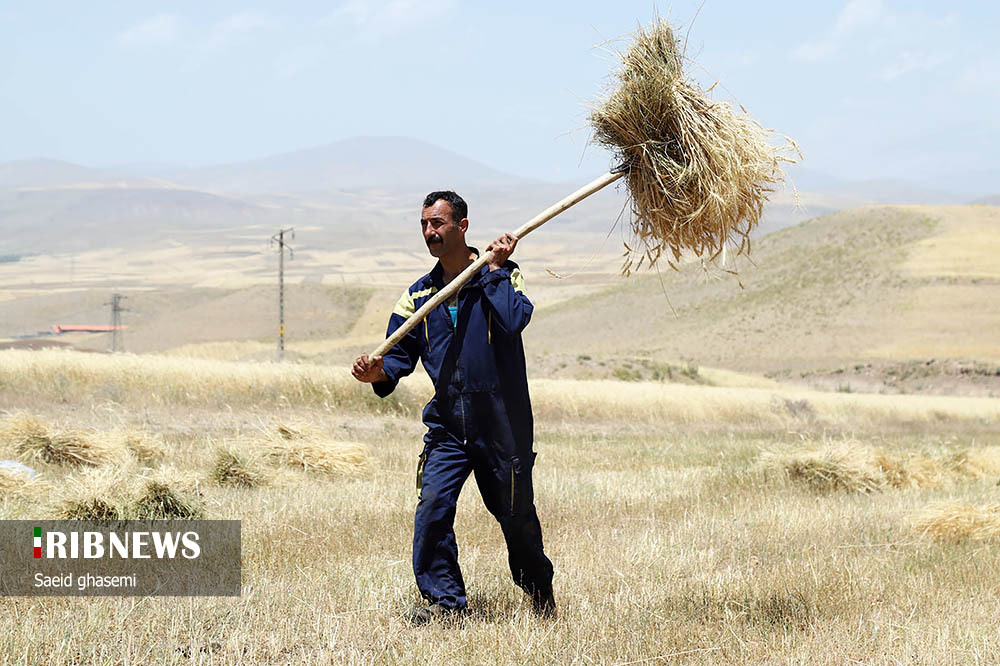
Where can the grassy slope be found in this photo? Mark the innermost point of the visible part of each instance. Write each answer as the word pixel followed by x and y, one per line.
pixel 835 290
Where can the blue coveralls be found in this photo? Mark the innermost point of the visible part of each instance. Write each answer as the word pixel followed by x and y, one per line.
pixel 479 421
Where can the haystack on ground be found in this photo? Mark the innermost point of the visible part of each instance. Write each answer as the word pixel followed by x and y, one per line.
pixel 103 493
pixel 843 466
pixel 303 448
pixel 959 521
pixel 168 494
pixel 241 468
pixel 977 463
pixel 33 439
pixel 147 448
pixel 699 172
pixel 850 466
pixel 107 493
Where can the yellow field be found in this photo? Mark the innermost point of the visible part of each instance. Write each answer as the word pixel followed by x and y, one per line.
pixel 675 536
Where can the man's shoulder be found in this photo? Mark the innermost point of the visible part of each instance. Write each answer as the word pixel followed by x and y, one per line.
pixel 414 295
pixel 422 286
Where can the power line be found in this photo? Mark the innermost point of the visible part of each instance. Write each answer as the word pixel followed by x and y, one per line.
pixel 279 238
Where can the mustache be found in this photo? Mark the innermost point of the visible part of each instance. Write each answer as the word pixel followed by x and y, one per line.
pixel 434 239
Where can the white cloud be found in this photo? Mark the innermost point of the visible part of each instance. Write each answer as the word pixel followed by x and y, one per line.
pixel 860 15
pixel 893 42
pixel 857 16
pixel 159 30
pixel 908 62
pixel 238 27
pixel 372 19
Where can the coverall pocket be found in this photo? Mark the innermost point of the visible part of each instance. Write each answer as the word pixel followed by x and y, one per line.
pixel 522 496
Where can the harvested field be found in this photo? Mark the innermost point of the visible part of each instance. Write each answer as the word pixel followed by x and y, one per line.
pixel 669 533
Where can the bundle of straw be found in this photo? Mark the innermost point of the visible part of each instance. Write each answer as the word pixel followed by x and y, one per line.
pixel 168 495
pixel 34 439
pixel 850 466
pixel 241 468
pixel 959 521
pixel 107 493
pixel 699 173
pixel 302 448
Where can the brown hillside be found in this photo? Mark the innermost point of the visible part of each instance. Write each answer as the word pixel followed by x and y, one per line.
pixel 877 285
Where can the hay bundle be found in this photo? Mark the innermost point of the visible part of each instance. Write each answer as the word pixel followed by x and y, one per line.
pixel 308 450
pixel 958 521
pixel 849 466
pixel 147 448
pixel 102 493
pixel 107 493
pixel 241 469
pixel 698 172
pixel 168 495
pixel 34 439
pixel 844 466
pixel 976 463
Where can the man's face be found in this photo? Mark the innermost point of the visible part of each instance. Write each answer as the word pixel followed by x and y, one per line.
pixel 441 233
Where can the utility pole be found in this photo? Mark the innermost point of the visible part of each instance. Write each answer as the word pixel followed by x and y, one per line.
pixel 117 336
pixel 279 238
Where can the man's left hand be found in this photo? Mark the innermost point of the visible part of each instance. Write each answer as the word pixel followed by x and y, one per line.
pixel 501 248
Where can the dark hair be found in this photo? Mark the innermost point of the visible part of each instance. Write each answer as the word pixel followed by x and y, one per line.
pixel 459 209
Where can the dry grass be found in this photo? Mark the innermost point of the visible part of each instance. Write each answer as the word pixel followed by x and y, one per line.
pixel 60 375
pixel 699 172
pixel 666 538
pixel 959 521
pixel 653 402
pixel 56 375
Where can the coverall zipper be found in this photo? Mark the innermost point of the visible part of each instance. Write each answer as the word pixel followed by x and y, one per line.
pixel 512 487
pixel 461 396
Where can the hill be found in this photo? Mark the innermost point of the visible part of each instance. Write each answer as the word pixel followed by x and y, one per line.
pixel 851 297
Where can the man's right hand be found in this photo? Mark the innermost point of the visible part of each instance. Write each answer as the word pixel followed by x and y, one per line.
pixel 369 370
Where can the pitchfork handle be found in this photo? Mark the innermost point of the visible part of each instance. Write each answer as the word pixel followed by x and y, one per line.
pixel 484 258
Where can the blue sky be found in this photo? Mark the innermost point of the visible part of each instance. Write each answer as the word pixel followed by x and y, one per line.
pixel 869 88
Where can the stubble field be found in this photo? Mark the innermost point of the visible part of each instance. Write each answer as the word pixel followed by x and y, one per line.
pixel 687 524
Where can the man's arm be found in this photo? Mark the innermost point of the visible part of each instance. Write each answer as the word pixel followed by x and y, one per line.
pixel 384 372
pixel 504 287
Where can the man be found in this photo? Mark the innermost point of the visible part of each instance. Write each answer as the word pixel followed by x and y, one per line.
pixel 479 420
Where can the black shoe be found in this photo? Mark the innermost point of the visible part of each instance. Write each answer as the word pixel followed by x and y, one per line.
pixel 427 614
pixel 543 604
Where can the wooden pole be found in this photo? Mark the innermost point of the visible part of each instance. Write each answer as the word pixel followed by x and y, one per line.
pixel 484 258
